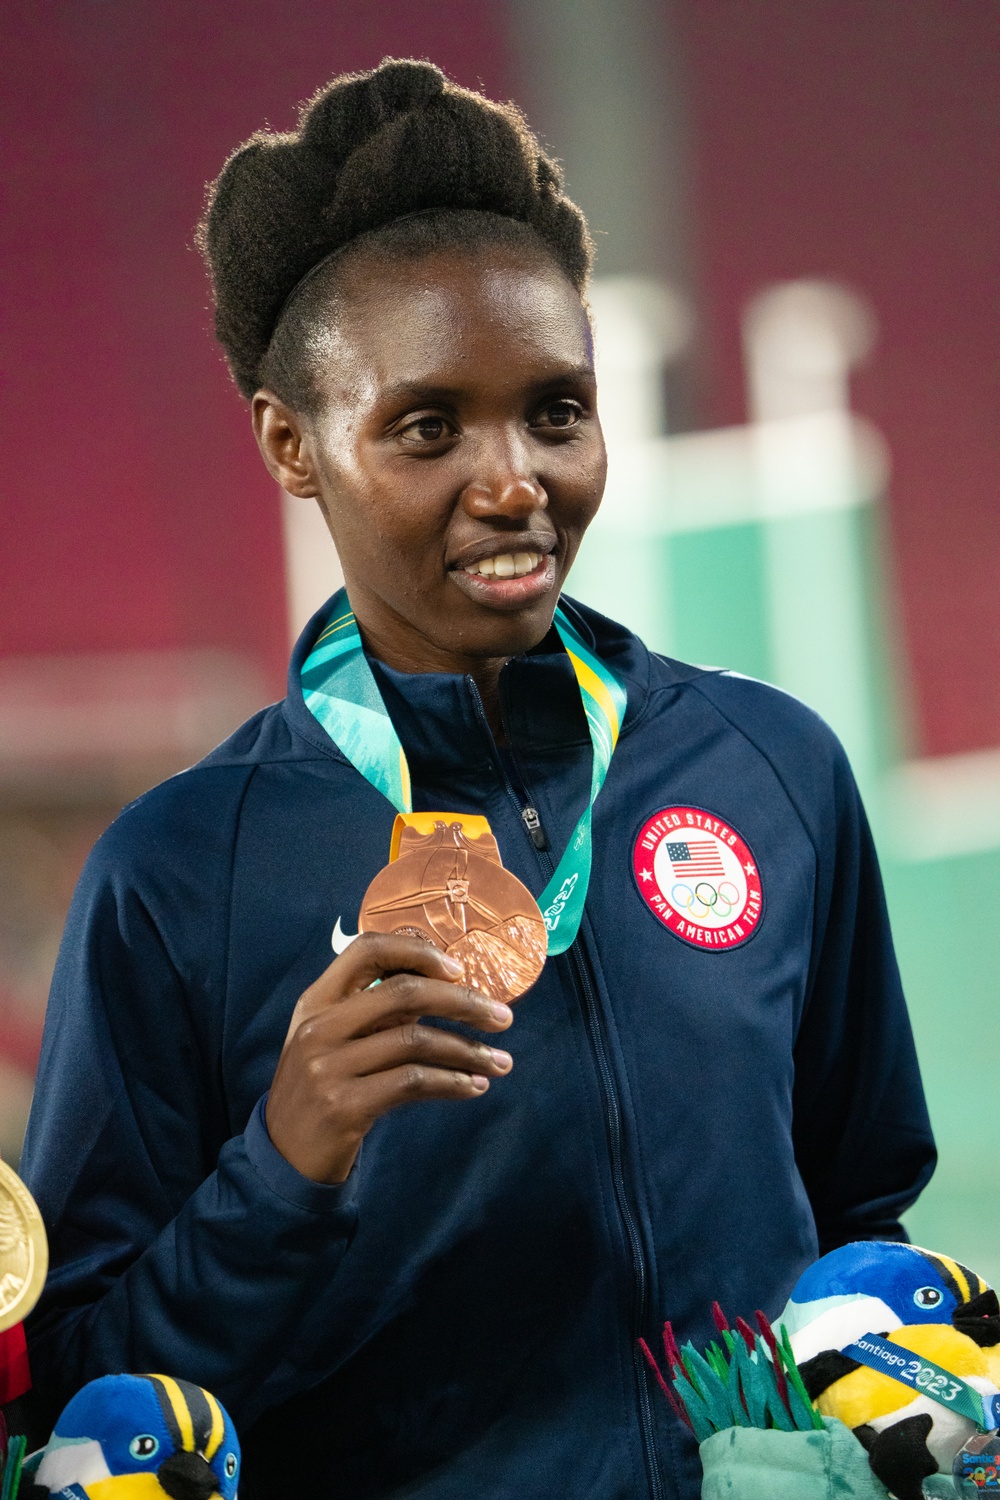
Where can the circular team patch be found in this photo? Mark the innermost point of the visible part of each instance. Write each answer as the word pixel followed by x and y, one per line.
pixel 699 877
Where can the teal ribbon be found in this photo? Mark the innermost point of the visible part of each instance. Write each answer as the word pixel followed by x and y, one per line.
pixel 340 691
pixel 925 1378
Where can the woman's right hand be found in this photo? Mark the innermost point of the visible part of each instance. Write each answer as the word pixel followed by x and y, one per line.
pixel 353 1053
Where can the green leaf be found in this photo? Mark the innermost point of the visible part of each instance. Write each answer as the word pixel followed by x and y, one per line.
pixel 805 1414
pixel 695 1408
pixel 754 1384
pixel 12 1468
pixel 713 1388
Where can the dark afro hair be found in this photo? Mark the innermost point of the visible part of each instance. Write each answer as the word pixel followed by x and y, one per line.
pixel 401 161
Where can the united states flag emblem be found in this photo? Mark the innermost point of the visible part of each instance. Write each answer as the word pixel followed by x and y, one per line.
pixel 696 858
pixel 699 877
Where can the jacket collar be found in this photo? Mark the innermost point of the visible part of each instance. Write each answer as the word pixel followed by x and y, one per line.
pixel 438 715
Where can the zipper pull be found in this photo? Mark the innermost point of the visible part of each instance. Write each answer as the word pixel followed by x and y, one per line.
pixel 533 824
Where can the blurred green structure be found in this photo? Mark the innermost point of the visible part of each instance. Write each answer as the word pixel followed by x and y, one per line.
pixel 759 549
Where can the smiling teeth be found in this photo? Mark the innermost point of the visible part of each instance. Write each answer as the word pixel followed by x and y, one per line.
pixel 507 565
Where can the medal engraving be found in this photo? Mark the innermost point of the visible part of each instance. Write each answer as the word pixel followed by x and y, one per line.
pixel 24 1251
pixel 452 890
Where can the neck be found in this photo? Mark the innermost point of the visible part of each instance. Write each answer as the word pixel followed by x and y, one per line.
pixel 404 654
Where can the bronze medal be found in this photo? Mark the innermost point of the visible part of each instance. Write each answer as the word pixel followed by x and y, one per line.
pixel 445 882
pixel 24 1250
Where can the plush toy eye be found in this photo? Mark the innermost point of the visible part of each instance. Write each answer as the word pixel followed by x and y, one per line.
pixel 928 1296
pixel 230 1465
pixel 144 1446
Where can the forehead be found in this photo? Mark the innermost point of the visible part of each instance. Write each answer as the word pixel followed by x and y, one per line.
pixel 449 315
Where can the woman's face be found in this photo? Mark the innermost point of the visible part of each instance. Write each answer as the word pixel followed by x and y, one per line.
pixel 456 450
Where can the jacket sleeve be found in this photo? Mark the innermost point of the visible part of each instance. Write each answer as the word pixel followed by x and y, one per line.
pixel 172 1247
pixel 862 1135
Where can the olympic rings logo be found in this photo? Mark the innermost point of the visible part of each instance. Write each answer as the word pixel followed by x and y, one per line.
pixel 707 898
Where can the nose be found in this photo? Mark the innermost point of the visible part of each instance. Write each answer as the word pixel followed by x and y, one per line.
pixel 504 484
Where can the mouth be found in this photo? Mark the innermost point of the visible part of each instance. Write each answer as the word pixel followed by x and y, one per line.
pixel 504 565
pixel 508 579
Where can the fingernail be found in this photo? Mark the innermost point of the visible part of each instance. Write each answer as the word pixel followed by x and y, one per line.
pixel 453 965
pixel 479 1083
pixel 501 1012
pixel 496 1056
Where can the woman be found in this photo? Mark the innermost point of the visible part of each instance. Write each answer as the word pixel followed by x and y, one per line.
pixel 408 1234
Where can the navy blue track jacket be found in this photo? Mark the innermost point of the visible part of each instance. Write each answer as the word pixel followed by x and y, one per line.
pixel 458 1321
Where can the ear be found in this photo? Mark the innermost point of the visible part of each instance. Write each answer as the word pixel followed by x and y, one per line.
pixel 284 444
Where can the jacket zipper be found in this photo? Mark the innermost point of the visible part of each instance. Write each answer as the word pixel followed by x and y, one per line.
pixel 533 823
pixel 527 814
pixel 613 1118
pixel 632 1236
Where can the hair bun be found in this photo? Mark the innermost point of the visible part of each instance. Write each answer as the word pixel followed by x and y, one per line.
pixel 352 108
pixel 449 153
pixel 370 149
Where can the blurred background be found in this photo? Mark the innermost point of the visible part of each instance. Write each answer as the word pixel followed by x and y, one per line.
pixel 795 211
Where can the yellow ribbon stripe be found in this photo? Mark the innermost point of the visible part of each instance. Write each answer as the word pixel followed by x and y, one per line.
pixel 592 684
pixel 334 626
pixel 404 777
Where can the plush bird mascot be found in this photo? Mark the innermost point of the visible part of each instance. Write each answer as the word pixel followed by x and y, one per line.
pixel 915 1302
pixel 138 1437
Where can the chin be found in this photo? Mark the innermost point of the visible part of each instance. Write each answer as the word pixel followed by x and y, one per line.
pixel 493 638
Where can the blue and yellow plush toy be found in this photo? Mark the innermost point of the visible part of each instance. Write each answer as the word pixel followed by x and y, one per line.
pixel 138 1437
pixel 916 1301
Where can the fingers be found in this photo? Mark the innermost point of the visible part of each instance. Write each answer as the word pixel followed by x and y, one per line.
pixel 373 955
pixel 404 997
pixel 353 1053
pixel 401 1000
pixel 412 1083
pixel 318 1123
pixel 427 1047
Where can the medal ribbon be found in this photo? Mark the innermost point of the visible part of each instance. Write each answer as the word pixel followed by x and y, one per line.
pixel 925 1378
pixel 340 691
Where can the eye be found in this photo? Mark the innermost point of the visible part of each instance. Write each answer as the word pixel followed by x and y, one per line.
pixel 429 429
pixel 144 1446
pixel 928 1296
pixel 230 1465
pixel 562 414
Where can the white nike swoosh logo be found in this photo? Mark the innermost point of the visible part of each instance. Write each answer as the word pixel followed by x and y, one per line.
pixel 341 939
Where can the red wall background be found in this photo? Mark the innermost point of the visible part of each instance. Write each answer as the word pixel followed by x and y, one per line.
pixel 135 511
pixel 846 138
pixel 857 139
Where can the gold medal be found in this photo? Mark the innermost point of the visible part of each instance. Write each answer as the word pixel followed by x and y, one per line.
pixel 445 882
pixel 24 1250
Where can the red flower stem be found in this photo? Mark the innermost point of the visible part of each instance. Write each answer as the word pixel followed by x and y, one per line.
pixel 673 1400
